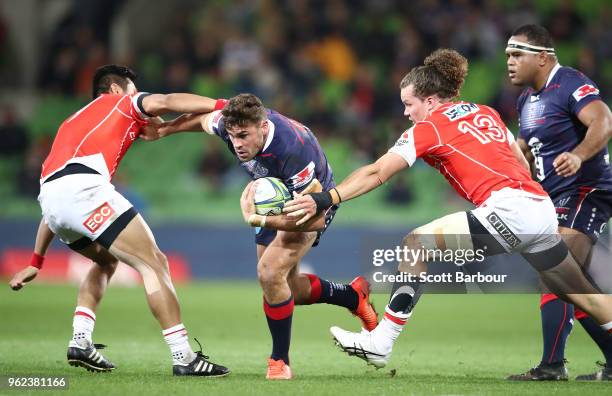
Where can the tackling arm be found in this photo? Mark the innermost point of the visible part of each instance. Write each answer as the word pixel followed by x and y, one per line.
pixel 369 177
pixel 183 123
pixel 158 104
pixel 362 181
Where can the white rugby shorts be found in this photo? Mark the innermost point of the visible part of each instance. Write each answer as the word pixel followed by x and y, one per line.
pixel 80 205
pixel 520 221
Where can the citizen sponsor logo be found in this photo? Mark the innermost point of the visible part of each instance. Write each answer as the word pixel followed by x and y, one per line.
pixel 99 217
pixel 504 231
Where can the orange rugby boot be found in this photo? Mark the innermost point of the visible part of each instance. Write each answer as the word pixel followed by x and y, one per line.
pixel 365 310
pixel 278 370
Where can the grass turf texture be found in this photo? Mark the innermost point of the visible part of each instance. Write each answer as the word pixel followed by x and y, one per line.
pixel 455 344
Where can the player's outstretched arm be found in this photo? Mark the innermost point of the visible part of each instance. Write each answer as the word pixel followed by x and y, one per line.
pixel 159 104
pixel 183 123
pixel 361 181
pixel 597 118
pixel 44 236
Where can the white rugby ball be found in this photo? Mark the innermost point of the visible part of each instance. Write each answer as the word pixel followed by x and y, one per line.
pixel 270 196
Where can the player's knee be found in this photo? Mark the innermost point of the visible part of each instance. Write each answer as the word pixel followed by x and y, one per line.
pixel 268 275
pixel 158 261
pixel 111 266
pixel 108 263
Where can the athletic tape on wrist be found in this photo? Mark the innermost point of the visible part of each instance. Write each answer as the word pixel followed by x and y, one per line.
pixel 256 220
pixel 37 260
pixel 220 104
pixel 323 200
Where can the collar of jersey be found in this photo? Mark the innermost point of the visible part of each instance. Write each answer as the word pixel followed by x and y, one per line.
pixel 552 74
pixel 271 128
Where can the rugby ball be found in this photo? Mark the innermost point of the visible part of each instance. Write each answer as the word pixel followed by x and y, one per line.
pixel 270 196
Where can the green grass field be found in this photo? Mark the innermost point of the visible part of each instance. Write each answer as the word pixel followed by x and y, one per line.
pixel 455 344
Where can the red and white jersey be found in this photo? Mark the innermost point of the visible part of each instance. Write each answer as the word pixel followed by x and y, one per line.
pixel 470 146
pixel 98 135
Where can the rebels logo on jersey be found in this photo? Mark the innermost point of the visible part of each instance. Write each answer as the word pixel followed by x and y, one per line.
pixel 303 177
pixel 585 90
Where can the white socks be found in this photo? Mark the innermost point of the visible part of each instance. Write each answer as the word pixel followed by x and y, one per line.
pixel 176 338
pixel 82 326
pixel 389 328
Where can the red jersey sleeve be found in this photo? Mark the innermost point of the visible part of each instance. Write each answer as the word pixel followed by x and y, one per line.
pixel 136 110
pixel 416 142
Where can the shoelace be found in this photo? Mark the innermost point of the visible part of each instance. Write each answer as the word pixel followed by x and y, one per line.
pixel 199 353
pixel 357 350
pixel 533 369
pixel 277 368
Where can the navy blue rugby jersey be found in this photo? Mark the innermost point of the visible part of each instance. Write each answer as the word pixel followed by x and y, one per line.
pixel 548 121
pixel 291 153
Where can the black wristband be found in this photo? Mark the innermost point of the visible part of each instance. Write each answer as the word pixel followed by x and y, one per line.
pixel 323 200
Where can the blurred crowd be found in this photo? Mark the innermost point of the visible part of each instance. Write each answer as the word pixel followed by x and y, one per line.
pixel 333 65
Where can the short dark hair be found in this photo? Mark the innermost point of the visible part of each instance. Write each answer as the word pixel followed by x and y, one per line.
pixel 109 74
pixel 442 73
pixel 536 35
pixel 243 110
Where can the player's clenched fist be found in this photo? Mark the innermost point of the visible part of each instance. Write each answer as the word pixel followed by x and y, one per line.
pixel 567 164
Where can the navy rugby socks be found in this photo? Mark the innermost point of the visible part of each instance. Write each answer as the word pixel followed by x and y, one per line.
pixel 279 322
pixel 557 322
pixel 323 291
